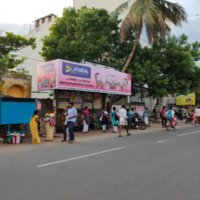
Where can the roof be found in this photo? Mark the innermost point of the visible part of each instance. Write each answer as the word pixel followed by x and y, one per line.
pixel 46 16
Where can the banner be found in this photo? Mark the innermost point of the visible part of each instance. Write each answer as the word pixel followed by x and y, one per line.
pixel 139 110
pixel 75 76
pixel 97 101
pixel 185 99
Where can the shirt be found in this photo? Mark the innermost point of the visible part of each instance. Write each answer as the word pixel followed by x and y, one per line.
pixel 145 113
pixel 172 112
pixel 66 117
pixel 130 114
pixel 197 112
pixel 163 113
pixel 72 112
pixel 122 115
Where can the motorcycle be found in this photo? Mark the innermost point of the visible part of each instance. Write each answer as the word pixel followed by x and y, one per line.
pixel 138 122
pixel 179 115
pixel 189 118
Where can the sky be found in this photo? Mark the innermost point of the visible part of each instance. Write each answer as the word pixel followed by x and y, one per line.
pixel 16 18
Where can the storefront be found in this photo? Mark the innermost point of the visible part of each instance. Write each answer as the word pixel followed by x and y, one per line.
pixel 82 84
pixel 186 100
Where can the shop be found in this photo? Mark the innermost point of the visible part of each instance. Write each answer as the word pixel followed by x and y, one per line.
pixel 82 84
pixel 186 100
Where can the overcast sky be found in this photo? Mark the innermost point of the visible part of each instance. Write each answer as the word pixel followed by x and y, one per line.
pixel 16 14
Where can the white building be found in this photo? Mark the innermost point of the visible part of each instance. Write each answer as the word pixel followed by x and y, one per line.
pixel 41 29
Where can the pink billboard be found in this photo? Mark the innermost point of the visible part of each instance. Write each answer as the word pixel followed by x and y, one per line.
pixel 61 74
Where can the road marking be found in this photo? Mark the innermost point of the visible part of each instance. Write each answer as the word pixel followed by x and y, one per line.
pixel 76 158
pixel 161 141
pixel 188 133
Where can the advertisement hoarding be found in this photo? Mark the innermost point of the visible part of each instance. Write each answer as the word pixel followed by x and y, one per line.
pixel 66 75
pixel 185 99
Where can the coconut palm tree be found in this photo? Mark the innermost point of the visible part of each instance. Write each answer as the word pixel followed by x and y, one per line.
pixel 149 15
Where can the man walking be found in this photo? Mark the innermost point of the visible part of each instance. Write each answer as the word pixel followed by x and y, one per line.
pixel 163 115
pixel 123 120
pixel 72 115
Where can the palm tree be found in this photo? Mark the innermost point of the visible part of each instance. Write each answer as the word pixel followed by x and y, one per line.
pixel 150 15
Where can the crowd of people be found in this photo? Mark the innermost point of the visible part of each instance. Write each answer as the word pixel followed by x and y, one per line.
pixel 122 118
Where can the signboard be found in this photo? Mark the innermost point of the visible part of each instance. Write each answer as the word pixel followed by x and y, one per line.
pixel 75 76
pixel 97 101
pixel 77 99
pixel 39 106
pixel 139 110
pixel 46 78
pixel 185 99
pixel 62 105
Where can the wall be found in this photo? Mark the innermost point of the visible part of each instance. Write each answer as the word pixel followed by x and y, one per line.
pixel 16 85
pixel 33 56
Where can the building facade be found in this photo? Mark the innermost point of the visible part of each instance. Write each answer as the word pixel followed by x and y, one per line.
pixel 16 85
pixel 41 29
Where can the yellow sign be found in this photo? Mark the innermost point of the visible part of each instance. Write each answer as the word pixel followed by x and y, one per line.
pixel 185 99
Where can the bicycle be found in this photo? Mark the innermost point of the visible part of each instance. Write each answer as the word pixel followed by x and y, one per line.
pixel 171 124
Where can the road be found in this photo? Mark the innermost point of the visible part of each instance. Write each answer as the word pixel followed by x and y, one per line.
pixel 148 166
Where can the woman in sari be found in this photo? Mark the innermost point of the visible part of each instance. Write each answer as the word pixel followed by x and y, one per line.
pixel 34 128
pixel 49 129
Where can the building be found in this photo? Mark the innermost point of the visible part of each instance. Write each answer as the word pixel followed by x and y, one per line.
pixel 16 85
pixel 41 29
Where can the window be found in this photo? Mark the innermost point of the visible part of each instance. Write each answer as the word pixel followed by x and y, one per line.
pixel 37 23
pixel 49 18
pixel 43 20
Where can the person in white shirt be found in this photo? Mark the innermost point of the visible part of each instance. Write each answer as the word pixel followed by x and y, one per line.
pixel 123 120
pixel 197 113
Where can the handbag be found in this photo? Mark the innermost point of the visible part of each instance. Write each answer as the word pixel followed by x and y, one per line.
pixel 52 122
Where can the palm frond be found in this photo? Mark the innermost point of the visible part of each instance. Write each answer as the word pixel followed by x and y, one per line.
pixel 120 8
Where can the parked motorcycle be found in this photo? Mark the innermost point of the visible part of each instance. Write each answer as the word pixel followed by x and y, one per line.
pixel 179 115
pixel 138 122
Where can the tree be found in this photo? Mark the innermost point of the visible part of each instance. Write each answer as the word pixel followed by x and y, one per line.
pixel 168 67
pixel 90 34
pixel 9 45
pixel 149 15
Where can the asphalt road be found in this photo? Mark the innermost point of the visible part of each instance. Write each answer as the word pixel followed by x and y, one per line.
pixel 149 166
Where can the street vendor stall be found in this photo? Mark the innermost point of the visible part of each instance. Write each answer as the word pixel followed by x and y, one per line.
pixel 15 115
pixel 82 84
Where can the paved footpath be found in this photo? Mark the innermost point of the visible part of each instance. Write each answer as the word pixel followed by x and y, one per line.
pixel 149 165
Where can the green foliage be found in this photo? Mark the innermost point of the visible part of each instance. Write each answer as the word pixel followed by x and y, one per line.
pixel 9 45
pixel 90 34
pixel 168 67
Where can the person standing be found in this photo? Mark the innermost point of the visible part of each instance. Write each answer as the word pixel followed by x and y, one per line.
pixel 86 123
pixel 49 129
pixel 155 111
pixel 72 115
pixel 65 129
pixel 95 121
pixel 123 120
pixel 86 111
pixel 130 117
pixel 163 115
pixel 34 128
pixel 114 120
pixel 146 116
pixel 104 119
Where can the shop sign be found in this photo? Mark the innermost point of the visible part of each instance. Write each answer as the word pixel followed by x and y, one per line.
pixel 75 76
pixel 185 99
pixel 39 106
pixel 139 110
pixel 97 101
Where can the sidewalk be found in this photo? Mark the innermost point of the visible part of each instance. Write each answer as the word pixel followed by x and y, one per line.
pixel 92 135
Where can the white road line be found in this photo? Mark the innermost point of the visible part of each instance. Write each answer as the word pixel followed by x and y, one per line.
pixel 188 133
pixel 161 141
pixel 93 154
